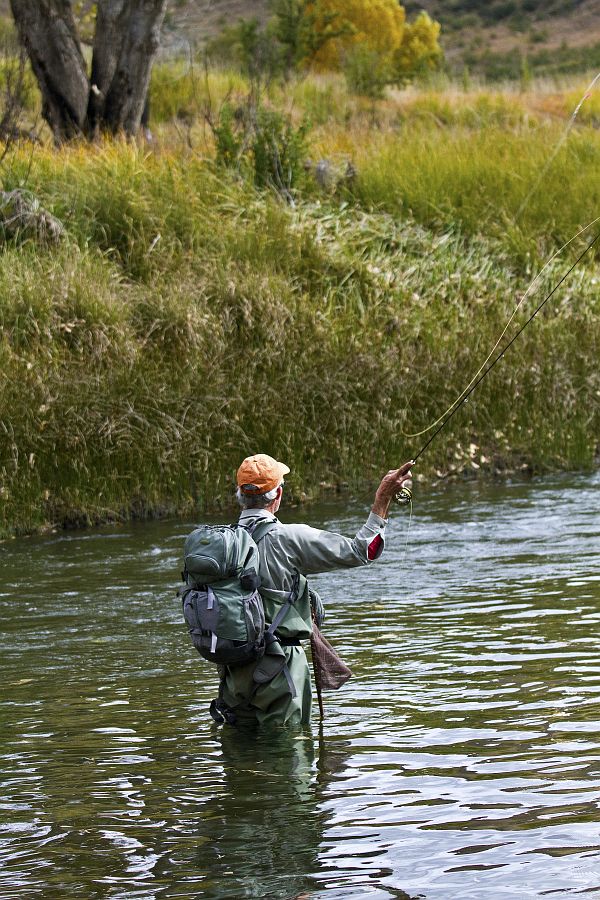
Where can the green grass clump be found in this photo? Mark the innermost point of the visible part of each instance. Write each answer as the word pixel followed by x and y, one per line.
pixel 481 110
pixel 323 334
pixel 189 319
pixel 184 90
pixel 484 181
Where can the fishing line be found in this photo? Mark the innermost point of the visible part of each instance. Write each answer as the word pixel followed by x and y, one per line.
pixel 488 369
pixel 405 494
pixel 559 145
pixel 505 329
pixel 586 95
pixel 410 515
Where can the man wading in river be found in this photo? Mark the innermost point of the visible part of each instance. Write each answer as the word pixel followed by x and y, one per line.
pixel 287 554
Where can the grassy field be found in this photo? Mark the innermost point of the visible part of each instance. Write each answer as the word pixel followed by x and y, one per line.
pixel 189 319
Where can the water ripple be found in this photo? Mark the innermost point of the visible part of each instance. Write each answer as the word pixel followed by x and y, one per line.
pixel 462 760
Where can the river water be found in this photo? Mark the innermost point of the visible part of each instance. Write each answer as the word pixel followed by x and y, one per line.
pixel 461 761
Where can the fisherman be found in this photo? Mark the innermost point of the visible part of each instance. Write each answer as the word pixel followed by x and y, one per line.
pixel 288 553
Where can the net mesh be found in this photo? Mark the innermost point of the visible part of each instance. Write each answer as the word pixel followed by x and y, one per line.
pixel 330 671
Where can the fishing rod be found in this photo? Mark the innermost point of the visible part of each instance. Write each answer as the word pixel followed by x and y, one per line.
pixel 405 494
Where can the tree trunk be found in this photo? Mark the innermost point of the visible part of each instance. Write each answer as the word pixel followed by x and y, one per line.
pixel 111 23
pixel 47 31
pixel 126 41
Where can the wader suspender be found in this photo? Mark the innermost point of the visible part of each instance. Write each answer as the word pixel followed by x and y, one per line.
pixel 258 532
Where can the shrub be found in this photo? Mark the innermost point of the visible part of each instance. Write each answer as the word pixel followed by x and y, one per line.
pixel 279 151
pixel 419 50
pixel 366 72
pixel 263 142
pixel 375 24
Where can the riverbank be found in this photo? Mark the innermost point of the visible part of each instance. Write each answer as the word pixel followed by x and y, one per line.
pixel 188 319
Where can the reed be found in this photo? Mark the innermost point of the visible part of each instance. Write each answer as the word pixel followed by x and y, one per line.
pixel 480 181
pixel 189 319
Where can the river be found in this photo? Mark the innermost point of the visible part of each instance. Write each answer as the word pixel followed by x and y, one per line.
pixel 461 761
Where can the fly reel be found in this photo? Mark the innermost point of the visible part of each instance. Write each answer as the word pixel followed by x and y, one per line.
pixel 405 494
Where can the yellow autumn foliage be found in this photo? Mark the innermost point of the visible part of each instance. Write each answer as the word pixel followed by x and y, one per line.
pixel 419 49
pixel 375 24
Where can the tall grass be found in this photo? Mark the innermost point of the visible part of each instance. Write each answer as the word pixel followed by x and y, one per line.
pixel 484 181
pixel 189 320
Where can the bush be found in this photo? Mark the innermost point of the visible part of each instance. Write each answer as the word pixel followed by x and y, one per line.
pixel 248 46
pixel 343 25
pixel 279 151
pixel 366 72
pixel 419 51
pixel 263 142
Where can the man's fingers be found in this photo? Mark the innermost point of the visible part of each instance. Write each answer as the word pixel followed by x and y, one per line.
pixel 403 470
pixel 395 478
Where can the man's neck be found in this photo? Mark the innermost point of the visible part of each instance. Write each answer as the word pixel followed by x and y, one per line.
pixel 264 513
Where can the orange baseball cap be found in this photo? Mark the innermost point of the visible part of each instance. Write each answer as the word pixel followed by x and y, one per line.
pixel 260 473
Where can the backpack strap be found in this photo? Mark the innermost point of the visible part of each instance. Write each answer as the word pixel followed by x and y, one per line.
pixel 283 609
pixel 274 660
pixel 261 530
pixel 258 532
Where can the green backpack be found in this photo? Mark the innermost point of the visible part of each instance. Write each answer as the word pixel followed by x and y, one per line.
pixel 222 605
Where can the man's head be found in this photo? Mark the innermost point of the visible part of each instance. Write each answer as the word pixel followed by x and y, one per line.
pixel 260 482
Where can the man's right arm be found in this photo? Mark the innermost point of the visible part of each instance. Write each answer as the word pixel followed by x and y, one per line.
pixel 312 550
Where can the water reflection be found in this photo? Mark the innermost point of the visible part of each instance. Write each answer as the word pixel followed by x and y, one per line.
pixel 462 760
pixel 259 834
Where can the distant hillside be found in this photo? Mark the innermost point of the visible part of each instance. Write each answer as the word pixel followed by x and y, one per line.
pixel 201 19
pixel 496 38
pixel 492 37
pixel 492 11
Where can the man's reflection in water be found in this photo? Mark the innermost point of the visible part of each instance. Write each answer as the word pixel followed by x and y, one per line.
pixel 262 833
